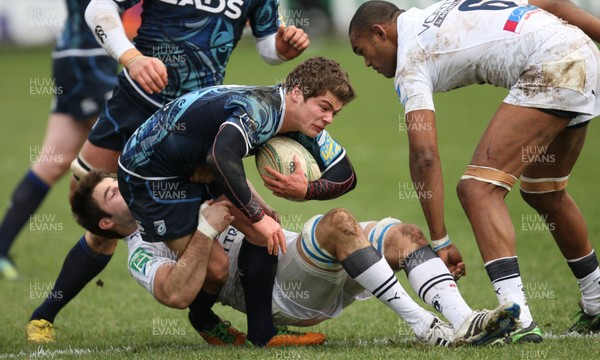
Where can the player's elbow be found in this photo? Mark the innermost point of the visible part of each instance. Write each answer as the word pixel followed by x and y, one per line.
pixel 422 159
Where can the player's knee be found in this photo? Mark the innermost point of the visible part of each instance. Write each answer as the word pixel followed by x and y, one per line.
pixel 470 191
pixel 405 238
pixel 544 202
pixel 216 274
pixel 341 222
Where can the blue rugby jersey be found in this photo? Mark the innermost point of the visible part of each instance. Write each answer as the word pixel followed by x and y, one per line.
pixel 194 38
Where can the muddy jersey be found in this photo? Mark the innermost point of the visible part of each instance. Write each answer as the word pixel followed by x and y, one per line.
pixel 455 43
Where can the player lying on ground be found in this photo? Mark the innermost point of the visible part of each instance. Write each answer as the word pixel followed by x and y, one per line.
pixel 334 261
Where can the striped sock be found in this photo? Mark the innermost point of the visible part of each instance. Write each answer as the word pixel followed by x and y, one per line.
pixel 367 267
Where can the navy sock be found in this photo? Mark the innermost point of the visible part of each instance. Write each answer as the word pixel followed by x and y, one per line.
pixel 25 200
pixel 80 267
pixel 201 315
pixel 257 274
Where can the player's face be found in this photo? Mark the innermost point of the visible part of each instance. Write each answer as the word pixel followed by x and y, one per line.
pixel 318 112
pixel 378 53
pixel 109 199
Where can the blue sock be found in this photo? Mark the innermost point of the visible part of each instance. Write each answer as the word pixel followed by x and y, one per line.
pixel 257 274
pixel 79 268
pixel 25 200
pixel 201 315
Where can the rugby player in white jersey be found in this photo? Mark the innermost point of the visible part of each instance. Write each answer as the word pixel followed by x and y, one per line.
pixel 333 262
pixel 551 70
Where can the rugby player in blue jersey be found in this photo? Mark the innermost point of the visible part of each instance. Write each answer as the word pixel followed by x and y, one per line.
pixel 215 128
pixel 83 75
pixel 198 39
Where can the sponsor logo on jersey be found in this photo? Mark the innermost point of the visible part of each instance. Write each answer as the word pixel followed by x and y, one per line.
pixel 230 8
pixel 437 17
pixel 329 148
pixel 250 127
pixel 518 17
pixel 139 259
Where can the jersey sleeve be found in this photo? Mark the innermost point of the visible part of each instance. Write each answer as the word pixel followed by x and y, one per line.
pixel 338 176
pixel 145 259
pixel 230 146
pixel 264 20
pixel 413 82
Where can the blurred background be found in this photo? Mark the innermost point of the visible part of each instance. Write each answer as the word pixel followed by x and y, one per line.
pixel 38 22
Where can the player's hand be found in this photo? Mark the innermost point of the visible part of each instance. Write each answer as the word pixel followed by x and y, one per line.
pixel 202 175
pixel 147 71
pixel 453 260
pixel 293 186
pixel 290 42
pixel 216 215
pixel 271 230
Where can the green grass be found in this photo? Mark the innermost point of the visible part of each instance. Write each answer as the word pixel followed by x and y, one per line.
pixel 117 320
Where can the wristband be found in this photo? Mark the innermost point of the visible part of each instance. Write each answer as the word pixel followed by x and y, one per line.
pixel 441 243
pixel 204 227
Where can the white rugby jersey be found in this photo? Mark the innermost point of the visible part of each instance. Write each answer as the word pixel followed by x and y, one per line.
pixel 455 43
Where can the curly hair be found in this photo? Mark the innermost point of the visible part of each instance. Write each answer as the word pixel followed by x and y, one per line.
pixel 318 75
pixel 84 207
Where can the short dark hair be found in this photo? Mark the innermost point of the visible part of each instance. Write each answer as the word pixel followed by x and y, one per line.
pixel 85 208
pixel 318 75
pixel 370 13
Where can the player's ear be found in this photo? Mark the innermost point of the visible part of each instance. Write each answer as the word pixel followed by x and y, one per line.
pixel 106 223
pixel 379 32
pixel 297 93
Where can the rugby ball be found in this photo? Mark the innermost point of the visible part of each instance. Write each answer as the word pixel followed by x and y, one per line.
pixel 278 153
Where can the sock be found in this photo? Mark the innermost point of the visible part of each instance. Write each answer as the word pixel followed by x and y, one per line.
pixel 81 265
pixel 25 200
pixel 430 278
pixel 257 274
pixel 201 315
pixel 587 273
pixel 506 279
pixel 367 267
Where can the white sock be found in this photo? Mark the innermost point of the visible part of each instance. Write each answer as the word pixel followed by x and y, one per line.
pixel 380 280
pixel 587 273
pixel 435 285
pixel 506 279
pixel 590 293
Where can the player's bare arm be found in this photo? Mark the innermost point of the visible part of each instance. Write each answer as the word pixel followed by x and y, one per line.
pixel 177 284
pixel 426 174
pixel 573 14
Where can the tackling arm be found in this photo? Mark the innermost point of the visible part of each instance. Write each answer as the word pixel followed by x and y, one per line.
pixel 176 284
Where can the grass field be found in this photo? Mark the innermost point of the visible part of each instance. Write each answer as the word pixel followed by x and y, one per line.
pixel 119 320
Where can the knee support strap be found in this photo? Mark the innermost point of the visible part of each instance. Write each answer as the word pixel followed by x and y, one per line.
pixel 543 185
pixel 490 175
